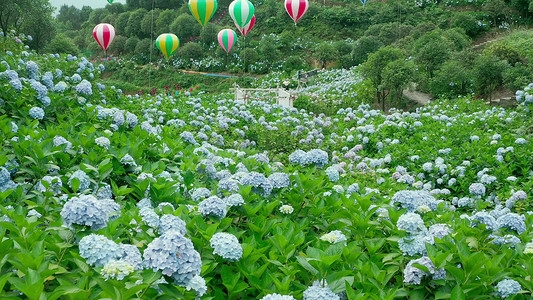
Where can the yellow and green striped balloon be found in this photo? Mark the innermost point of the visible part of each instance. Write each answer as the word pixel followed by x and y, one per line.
pixel 168 43
pixel 203 10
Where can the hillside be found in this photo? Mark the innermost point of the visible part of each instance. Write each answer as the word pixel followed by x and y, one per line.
pixel 195 195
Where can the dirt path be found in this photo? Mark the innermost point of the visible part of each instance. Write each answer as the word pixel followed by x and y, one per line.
pixel 412 94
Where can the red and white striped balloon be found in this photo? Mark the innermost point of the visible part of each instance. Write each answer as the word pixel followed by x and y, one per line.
pixel 104 34
pixel 244 30
pixel 296 8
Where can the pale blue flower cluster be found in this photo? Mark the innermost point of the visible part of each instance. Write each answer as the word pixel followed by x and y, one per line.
pixel 333 173
pixel 85 183
pixel 188 137
pixel 315 292
pixel 60 87
pixel 483 217
pixel 279 180
pixel 128 160
pixel 175 256
pixel 39 88
pixel 227 246
pixel 54 184
pixel 102 142
pixel 75 78
pixel 5 180
pixel 277 297
pixel 413 275
pixel 116 269
pixel 172 223
pixel 200 193
pixel 508 287
pixel 131 120
pixel 415 244
pixel 477 189
pixel 48 80
pixel 197 284
pixel 213 206
pixel 32 68
pixel 37 113
pixel 84 88
pixel 98 249
pixel 149 217
pixel 413 200
pixel 512 221
pixel 317 157
pixel 131 255
pixel 234 200
pixel 88 211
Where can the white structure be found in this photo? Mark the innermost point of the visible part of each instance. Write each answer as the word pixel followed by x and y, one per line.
pixel 283 97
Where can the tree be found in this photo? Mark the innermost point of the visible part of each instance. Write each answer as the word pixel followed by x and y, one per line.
pixel 363 47
pixel 396 75
pixel 467 22
pixel 431 50
pixel 143 47
pixel 62 44
pixel 97 16
pixel 190 51
pixel 209 34
pixel 325 52
pixel 39 24
pixel 268 50
pixel 119 45
pixel 148 22
pixel 134 23
pixel 185 27
pixel 122 22
pixel 452 79
pixel 163 21
pixel 248 56
pixel 373 69
pixel 131 44
pixel 488 74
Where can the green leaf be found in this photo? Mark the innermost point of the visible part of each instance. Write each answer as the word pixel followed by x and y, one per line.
pixel 304 262
pixel 457 293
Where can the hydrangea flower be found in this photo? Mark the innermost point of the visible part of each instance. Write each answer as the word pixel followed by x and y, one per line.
pixel 200 193
pixel 512 221
pixel 286 209
pixel 175 256
pixel 279 180
pixel 188 137
pixel 333 173
pixel 98 249
pixel 315 292
pixel 103 142
pixel 335 236
pixel 234 200
pixel 415 244
pixel 149 217
pixel 59 140
pixel 508 287
pixel 477 189
pixel 128 161
pixel 37 113
pixel 413 275
pixel 116 269
pixel 227 246
pixel 89 211
pixel 411 222
pixel 54 183
pixel 213 206
pixel 197 284
pixel 131 255
pixel 85 183
pixel 277 297
pixel 483 217
pixel 172 223
pixel 412 200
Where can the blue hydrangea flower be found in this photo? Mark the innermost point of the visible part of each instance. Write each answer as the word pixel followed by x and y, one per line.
pixel 84 88
pixel 413 275
pixel 54 183
pixel 319 293
pixel 75 78
pixel 128 160
pixel 279 180
pixel 16 84
pixel 508 287
pixel 477 189
pixel 37 113
pixel 131 120
pixel 413 200
pixel 89 211
pixel 149 217
pixel 85 182
pixel 188 137
pixel 39 88
pixel 197 284
pixel 200 193
pixel 131 255
pixel 98 249
pixel 102 142
pixel 60 87
pixel 175 256
pixel 227 246
pixel 32 67
pixel 512 221
pixel 172 223
pixel 415 244
pixel 277 297
pixel 234 200
pixel 333 173
pixel 439 230
pixel 411 222
pixel 483 217
pixel 48 80
pixel 213 206
pixel 335 236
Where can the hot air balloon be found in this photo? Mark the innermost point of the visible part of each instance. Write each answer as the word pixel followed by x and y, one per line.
pixel 226 39
pixel 203 10
pixel 244 30
pixel 296 8
pixel 241 11
pixel 364 2
pixel 168 43
pixel 110 1
pixel 104 34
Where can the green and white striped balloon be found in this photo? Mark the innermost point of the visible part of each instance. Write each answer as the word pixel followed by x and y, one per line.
pixel 226 39
pixel 241 11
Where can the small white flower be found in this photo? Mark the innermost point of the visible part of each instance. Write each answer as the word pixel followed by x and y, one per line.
pixel 286 209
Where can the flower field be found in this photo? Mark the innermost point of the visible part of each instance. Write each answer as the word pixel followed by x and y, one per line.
pixel 197 196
